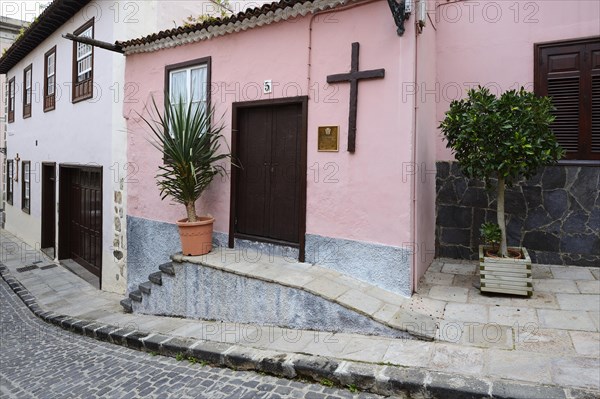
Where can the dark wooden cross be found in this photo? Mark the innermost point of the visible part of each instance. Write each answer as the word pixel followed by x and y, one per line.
pixel 353 77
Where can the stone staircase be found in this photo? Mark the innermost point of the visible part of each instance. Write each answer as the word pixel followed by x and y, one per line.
pixel 154 280
pixel 278 292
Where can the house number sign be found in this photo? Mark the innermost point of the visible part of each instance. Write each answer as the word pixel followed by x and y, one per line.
pixel 268 87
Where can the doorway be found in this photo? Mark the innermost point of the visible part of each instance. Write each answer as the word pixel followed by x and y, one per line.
pixel 80 216
pixel 48 240
pixel 269 188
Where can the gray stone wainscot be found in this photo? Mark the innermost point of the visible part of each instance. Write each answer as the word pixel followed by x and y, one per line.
pixel 151 243
pixel 555 214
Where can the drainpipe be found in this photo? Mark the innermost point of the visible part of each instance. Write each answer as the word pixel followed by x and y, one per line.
pixel 413 188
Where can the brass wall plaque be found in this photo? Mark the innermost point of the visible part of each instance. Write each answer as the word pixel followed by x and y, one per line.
pixel 329 139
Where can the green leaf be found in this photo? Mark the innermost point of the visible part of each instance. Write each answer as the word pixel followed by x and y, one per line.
pixel 191 146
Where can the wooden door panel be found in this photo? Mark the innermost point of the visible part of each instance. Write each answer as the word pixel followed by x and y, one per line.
pixel 252 201
pixel 84 218
pixel 48 206
pixel 268 188
pixel 285 166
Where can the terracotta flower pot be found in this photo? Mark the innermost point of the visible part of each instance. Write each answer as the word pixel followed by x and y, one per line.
pixel 196 237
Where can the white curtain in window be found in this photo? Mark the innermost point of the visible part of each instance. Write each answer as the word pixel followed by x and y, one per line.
pixel 198 86
pixel 28 87
pixel 11 98
pixel 50 74
pixel 178 87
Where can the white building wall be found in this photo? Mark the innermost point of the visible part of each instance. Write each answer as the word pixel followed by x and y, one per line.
pixel 80 133
pixel 9 29
pixel 91 132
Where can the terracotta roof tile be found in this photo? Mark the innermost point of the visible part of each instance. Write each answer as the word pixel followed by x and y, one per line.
pixel 49 21
pixel 239 17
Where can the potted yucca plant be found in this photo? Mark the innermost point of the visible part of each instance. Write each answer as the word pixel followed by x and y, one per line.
pixel 502 139
pixel 191 148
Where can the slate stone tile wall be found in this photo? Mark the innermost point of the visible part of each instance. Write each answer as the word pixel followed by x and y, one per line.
pixel 555 214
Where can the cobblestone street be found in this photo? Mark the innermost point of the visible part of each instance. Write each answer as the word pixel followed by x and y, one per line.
pixel 42 361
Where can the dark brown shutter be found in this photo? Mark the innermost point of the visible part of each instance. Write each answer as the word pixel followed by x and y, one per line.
pixel 595 64
pixel 569 72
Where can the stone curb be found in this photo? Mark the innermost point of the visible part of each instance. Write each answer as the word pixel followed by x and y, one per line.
pixel 379 379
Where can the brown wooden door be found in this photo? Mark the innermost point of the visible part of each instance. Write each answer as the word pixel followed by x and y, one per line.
pixel 48 206
pixel 268 185
pixel 81 217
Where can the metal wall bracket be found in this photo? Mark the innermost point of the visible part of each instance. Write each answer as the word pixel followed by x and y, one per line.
pixel 399 13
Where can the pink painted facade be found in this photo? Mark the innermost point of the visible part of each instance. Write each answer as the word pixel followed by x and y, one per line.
pixel 349 196
pixel 493 45
pixel 385 192
pixel 336 182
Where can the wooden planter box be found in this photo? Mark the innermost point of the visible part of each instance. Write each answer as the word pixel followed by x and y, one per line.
pixel 506 276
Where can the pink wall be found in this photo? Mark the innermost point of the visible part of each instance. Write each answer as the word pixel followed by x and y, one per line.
pixel 353 196
pixel 492 44
pixel 424 168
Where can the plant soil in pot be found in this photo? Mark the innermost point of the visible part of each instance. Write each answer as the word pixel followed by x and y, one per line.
pixel 196 237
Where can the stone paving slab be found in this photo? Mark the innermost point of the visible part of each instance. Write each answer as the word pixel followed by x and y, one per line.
pixel 586 343
pixel 579 302
pixel 530 338
pixel 578 320
pixel 589 286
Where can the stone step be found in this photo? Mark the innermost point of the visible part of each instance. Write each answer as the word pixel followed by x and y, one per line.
pixel 127 305
pixel 167 268
pixel 156 278
pixel 146 287
pixel 348 305
pixel 136 295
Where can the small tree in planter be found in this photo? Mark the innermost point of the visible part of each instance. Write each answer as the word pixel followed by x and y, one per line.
pixel 503 138
pixel 190 145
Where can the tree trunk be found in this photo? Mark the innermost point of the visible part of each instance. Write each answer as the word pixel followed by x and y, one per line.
pixel 190 207
pixel 501 219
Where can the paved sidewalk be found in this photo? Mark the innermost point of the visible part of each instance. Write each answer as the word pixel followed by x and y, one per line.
pixel 547 346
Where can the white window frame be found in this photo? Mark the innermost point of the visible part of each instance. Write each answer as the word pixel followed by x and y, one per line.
pixel 188 97
pixel 26 187
pixel 12 97
pixel 10 175
pixel 51 73
pixel 28 86
pixel 84 53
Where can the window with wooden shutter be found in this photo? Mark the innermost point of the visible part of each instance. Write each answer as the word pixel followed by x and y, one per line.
pixel 569 72
pixel 11 100
pixel 27 90
pixel 83 64
pixel 10 175
pixel 26 187
pixel 50 80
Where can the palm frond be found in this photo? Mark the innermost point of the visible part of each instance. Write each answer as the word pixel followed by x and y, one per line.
pixel 191 147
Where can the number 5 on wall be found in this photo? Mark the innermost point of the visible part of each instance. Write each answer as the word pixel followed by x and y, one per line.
pixel 268 87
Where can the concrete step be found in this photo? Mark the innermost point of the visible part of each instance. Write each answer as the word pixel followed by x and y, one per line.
pixel 156 278
pixel 127 305
pixel 136 295
pixel 167 268
pixel 146 287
